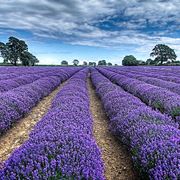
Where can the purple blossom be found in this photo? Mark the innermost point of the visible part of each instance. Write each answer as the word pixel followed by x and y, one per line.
pixel 61 145
pixel 152 138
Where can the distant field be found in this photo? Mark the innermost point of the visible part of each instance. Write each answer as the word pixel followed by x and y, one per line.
pixel 90 123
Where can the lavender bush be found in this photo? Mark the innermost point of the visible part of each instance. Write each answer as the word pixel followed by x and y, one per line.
pixel 174 87
pixel 61 146
pixel 17 102
pixel 156 97
pixel 152 138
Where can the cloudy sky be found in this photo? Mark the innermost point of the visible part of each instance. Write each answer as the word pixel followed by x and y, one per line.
pixel 91 29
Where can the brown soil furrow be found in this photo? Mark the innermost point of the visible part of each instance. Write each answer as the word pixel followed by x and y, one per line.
pixel 19 133
pixel 117 161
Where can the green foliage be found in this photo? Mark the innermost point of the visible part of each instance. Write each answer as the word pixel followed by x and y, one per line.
pixel 85 63
pixel 4 52
pixel 75 62
pixel 109 64
pixel 64 63
pixel 102 63
pixel 175 112
pixel 163 53
pixel 28 59
pixel 129 60
pixel 158 105
pixel 150 62
pixel 16 50
pixel 92 63
pixel 140 62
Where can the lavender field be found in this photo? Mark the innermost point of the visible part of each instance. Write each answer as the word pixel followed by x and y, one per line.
pixel 101 123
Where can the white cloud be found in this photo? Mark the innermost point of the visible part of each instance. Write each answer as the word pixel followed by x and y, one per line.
pixel 78 21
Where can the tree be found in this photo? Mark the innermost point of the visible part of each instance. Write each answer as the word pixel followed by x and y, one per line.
pixel 85 63
pixel 24 58
pixel 129 60
pixel 64 63
pixel 102 63
pixel 149 62
pixel 33 60
pixel 99 63
pixel 4 52
pixel 17 50
pixel 141 62
pixel 28 59
pixel 163 53
pixel 75 62
pixel 92 63
pixel 15 47
pixel 109 64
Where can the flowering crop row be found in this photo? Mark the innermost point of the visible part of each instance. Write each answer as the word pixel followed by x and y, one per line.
pixel 164 71
pixel 61 146
pixel 12 73
pixel 15 103
pixel 157 97
pixel 6 85
pixel 152 74
pixel 174 87
pixel 152 138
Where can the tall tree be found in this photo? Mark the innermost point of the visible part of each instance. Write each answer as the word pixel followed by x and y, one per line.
pixel 4 52
pixel 129 60
pixel 28 59
pixel 15 48
pixel 34 60
pixel 75 62
pixel 64 63
pixel 163 53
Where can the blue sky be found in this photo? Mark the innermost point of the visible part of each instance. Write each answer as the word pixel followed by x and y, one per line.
pixel 91 30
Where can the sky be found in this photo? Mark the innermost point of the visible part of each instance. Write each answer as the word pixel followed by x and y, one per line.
pixel 91 30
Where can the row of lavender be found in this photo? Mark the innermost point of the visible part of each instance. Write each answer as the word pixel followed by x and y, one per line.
pixel 164 71
pixel 15 103
pixel 156 97
pixel 156 80
pixel 154 74
pixel 13 72
pixel 152 138
pixel 61 146
pixel 29 77
pixel 170 83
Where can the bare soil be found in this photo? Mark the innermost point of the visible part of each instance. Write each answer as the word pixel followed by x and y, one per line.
pixel 117 161
pixel 19 133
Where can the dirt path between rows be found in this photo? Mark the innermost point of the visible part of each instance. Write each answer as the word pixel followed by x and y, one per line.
pixel 19 133
pixel 117 161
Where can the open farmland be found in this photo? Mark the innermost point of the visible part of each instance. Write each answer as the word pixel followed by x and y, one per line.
pixel 90 123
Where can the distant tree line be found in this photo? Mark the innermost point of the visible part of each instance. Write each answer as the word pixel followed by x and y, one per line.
pixel 85 63
pixel 15 51
pixel 163 54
